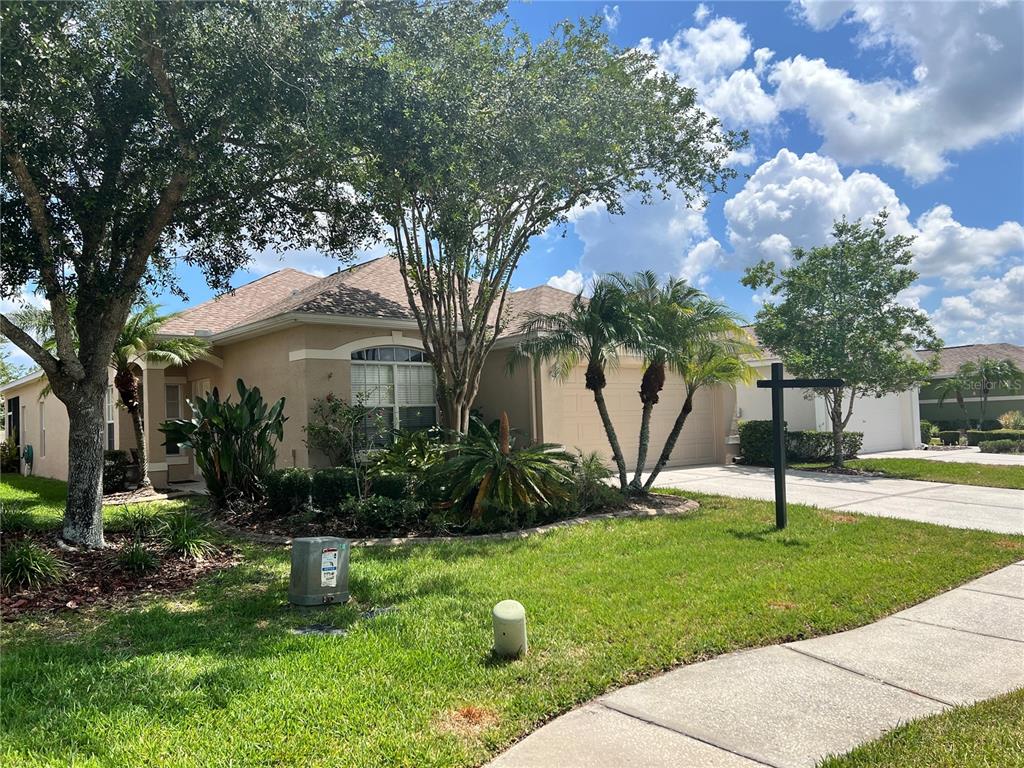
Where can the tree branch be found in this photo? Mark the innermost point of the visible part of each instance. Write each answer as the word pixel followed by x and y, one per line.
pixel 29 346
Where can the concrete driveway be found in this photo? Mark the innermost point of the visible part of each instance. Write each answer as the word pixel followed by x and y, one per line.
pixel 970 455
pixel 958 506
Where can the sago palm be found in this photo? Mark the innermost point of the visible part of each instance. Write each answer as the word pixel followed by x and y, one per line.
pixel 590 332
pixel 138 341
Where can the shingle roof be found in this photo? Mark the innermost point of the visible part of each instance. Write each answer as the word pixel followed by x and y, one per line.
pixel 372 289
pixel 232 308
pixel 952 358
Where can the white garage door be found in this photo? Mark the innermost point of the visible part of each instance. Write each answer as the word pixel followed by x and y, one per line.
pixel 571 418
pixel 882 420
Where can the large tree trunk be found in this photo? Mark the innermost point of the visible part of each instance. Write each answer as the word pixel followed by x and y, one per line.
pixel 670 441
pixel 650 387
pixel 83 516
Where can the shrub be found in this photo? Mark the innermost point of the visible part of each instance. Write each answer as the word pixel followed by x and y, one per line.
pixel 1002 446
pixel 393 485
pixel 185 534
pixel 1012 420
pixel 235 444
pixel 329 487
pixel 381 515
pixel 927 430
pixel 26 564
pixel 416 452
pixel 801 445
pixel 336 428
pixel 137 521
pixel 975 436
pixel 487 471
pixel 588 487
pixel 288 490
pixel 949 436
pixel 136 558
pixel 10 457
pixel 115 470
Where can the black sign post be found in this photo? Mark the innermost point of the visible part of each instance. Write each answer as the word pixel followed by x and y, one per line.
pixel 777 384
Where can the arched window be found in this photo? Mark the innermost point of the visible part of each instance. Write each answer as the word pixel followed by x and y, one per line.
pixel 399 383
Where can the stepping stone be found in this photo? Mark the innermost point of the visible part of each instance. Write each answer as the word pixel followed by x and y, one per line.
pixel 596 737
pixel 772 705
pixel 952 666
pixel 978 612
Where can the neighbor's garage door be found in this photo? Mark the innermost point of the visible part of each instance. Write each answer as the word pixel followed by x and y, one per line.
pixel 571 418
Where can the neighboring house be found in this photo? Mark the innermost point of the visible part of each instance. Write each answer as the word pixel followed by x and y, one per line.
pixel 1000 399
pixel 301 337
pixel 889 423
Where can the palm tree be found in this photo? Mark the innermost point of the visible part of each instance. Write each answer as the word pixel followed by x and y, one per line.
pixel 980 376
pixel 660 313
pixel 138 341
pixel 710 352
pixel 591 331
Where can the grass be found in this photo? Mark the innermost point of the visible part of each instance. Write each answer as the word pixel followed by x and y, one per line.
pixel 986 735
pixel 37 503
pixel 991 475
pixel 214 677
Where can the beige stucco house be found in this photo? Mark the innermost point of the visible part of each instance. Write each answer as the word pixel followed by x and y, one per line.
pixel 298 336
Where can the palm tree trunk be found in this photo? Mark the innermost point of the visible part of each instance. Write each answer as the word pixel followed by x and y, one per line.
pixel 670 441
pixel 613 440
pixel 140 441
pixel 642 446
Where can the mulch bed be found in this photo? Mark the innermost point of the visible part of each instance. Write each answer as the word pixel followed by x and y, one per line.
pixel 253 525
pixel 845 471
pixel 94 578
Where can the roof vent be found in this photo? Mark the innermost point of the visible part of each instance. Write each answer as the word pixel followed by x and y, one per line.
pixel 203 332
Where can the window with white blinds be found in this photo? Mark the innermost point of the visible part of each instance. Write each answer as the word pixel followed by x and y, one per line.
pixel 108 410
pixel 172 403
pixel 399 384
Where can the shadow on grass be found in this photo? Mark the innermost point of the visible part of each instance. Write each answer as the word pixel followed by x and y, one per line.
pixel 768 535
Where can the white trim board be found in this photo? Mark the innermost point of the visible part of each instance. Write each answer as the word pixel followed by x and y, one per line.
pixel 993 399
pixel 344 352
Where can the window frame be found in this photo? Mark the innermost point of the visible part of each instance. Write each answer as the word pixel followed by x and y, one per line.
pixel 109 418
pixel 173 449
pixel 358 359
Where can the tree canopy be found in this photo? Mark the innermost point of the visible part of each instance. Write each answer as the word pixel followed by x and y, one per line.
pixel 494 138
pixel 836 312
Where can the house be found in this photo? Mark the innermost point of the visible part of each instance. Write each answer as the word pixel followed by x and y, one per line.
pixel 298 336
pixel 1000 399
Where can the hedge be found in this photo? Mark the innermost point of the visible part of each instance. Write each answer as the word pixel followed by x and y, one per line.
pixel 949 436
pixel 927 430
pixel 975 436
pixel 392 485
pixel 331 486
pixel 1002 446
pixel 288 490
pixel 115 470
pixel 801 445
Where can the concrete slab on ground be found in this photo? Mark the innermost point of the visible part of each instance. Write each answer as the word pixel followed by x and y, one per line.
pixel 948 665
pixel 968 455
pixel 957 506
pixel 789 706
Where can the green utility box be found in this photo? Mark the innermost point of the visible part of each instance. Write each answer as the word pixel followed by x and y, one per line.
pixel 319 571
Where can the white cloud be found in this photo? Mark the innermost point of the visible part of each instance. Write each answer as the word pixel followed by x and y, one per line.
pixel 570 280
pixel 963 89
pixel 992 312
pixel 698 264
pixel 710 60
pixel 701 13
pixel 660 236
pixel 793 200
pixel 612 16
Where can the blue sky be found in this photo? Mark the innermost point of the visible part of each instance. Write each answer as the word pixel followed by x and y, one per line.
pixel 852 106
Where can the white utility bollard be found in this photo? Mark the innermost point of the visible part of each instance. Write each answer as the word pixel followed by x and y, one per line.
pixel 509 629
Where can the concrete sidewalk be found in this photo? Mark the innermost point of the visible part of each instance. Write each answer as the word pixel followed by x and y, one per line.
pixel 969 455
pixel 958 506
pixel 789 706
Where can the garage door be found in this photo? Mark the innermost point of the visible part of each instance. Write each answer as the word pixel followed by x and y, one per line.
pixel 571 418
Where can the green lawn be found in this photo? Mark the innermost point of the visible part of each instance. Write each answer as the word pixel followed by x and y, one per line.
pixel 986 735
pixel 214 678
pixel 992 475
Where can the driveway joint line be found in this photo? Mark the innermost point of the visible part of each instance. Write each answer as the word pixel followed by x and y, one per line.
pixel 990 592
pixel 959 629
pixel 650 720
pixel 864 675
